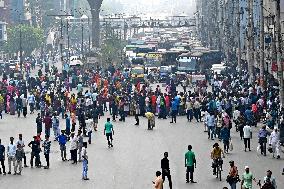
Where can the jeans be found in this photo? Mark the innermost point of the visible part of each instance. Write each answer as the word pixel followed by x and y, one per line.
pixel 211 131
pixel 174 116
pixel 90 137
pixel 247 143
pixel 167 174
pixel 189 115
pixel 189 170
pixel 47 159
pixel 3 165
pixel 233 185
pixel 37 159
pixel 85 168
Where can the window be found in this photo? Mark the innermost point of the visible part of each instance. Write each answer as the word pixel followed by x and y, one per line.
pixel 1 32
pixel 2 4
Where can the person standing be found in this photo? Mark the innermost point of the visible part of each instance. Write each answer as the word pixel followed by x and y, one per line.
pixel 73 148
pixel 22 145
pixel 2 158
pixel 19 156
pixel 190 164
pixel 55 126
pixel 174 109
pixel 247 179
pixel 89 125
pixel 35 146
pixel 262 138
pixel 247 136
pixel 38 124
pixel 165 166
pixel 62 140
pixel 108 131
pixel 46 150
pixel 158 183
pixel 48 124
pixel 11 152
pixel 85 162
pixel 232 178
pixel 80 141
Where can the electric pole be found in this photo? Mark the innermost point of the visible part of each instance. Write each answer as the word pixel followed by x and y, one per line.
pixel 250 42
pixel 279 51
pixel 261 45
pixel 239 35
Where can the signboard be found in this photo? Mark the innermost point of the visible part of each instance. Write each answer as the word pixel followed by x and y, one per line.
pixel 3 33
pixel 92 60
pixel 197 78
pixel 2 4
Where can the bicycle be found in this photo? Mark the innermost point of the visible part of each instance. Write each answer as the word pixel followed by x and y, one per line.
pixel 218 168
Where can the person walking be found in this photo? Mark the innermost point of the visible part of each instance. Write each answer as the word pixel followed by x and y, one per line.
pixel 55 126
pixel 210 122
pixel 226 136
pixel 165 166
pixel 269 181
pixel 48 124
pixel 247 136
pixel 2 158
pixel 85 162
pixel 190 164
pixel 262 138
pixel 11 152
pixel 158 183
pixel 247 178
pixel 46 150
pixel 109 132
pixel 274 142
pixel 62 140
pixel 233 176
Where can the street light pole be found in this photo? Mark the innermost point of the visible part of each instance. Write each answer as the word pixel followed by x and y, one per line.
pixel 82 42
pixel 21 50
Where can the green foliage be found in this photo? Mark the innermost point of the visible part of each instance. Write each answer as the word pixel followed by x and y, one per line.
pixel 111 49
pixel 32 38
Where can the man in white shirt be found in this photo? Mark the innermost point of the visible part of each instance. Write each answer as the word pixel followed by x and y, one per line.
pixel 11 152
pixel 274 142
pixel 247 135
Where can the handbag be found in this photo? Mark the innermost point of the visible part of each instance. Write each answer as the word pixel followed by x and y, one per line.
pixel 231 147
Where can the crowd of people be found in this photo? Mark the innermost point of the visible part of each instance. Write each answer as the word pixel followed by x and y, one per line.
pixel 81 97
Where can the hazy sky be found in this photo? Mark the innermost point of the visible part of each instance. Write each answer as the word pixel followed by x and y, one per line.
pixel 169 6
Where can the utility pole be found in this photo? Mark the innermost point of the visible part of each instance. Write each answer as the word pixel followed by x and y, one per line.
pixel 250 42
pixel 21 50
pixel 279 51
pixel 239 35
pixel 261 45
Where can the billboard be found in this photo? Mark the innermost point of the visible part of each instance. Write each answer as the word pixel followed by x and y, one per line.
pixel 3 33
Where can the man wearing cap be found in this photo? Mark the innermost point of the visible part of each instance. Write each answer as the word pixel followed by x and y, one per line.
pixel 247 179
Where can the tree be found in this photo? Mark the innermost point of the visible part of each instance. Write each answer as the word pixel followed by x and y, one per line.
pixel 95 6
pixel 32 38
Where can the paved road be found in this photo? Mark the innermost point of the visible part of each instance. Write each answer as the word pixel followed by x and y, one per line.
pixel 136 155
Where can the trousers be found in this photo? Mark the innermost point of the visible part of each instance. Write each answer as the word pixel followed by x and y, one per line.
pixel 85 168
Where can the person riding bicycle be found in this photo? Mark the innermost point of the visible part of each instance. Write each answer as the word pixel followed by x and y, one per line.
pixel 216 156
